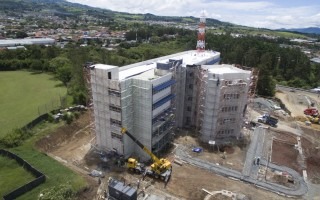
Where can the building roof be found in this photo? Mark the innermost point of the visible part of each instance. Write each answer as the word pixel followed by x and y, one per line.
pixel 103 66
pixel 135 70
pixel 188 58
pixel 148 75
pixel 224 69
pixel 26 41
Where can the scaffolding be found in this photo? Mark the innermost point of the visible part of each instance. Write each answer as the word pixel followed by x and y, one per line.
pixel 202 76
pixel 253 79
pixel 220 104
pixel 253 82
pixel 107 110
pixel 232 98
pixel 86 72
pixel 178 74
pixel 191 91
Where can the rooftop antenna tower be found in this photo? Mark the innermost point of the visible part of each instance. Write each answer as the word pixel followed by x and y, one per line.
pixel 201 32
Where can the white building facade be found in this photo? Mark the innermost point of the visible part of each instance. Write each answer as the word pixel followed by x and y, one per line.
pixel 223 94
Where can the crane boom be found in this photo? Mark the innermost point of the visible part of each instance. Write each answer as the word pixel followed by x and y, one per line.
pixel 145 149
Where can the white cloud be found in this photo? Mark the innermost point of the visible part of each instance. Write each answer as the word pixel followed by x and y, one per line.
pixel 249 13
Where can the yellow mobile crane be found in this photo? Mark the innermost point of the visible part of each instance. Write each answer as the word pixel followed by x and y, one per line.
pixel 160 168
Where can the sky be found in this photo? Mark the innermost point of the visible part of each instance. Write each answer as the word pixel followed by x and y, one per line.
pixel 272 14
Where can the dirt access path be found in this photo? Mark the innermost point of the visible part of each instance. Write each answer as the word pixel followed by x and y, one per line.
pixel 230 156
pixel 69 144
pixel 187 183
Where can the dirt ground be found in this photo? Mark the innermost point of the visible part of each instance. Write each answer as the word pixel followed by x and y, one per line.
pixel 310 139
pixel 187 183
pixel 69 144
pixel 231 156
pixel 294 102
pixel 311 149
pixel 288 156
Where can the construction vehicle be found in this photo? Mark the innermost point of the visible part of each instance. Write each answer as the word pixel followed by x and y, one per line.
pixel 314 120
pixel 267 119
pixel 160 168
pixel 311 111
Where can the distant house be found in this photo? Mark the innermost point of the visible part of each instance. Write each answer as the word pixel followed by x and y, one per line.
pixel 17 47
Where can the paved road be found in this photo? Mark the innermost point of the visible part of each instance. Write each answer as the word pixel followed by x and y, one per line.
pixel 250 171
pixel 254 151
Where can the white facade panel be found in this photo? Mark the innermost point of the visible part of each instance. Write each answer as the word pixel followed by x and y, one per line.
pixel 161 94
pixel 161 108
pixel 162 79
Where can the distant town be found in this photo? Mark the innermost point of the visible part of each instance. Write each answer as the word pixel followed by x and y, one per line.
pixel 85 28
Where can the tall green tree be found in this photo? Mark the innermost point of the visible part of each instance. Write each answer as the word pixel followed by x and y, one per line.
pixel 62 67
pixel 266 84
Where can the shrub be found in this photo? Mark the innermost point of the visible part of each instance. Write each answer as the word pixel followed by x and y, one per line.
pixel 68 117
pixel 15 137
pixel 76 114
pixel 50 117
pixel 63 192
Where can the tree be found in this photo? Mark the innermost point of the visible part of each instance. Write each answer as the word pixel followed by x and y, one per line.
pixel 62 67
pixel 21 34
pixel 58 62
pixel 266 84
pixel 63 73
pixel 51 52
pixel 35 52
pixel 36 65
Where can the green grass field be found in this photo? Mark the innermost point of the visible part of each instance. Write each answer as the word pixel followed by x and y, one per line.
pixel 22 93
pixel 55 172
pixel 12 175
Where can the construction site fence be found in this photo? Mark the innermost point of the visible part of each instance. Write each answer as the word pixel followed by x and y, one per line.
pixel 55 103
pixel 36 121
pixel 40 177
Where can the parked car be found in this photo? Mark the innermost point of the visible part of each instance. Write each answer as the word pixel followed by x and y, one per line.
pixel 197 149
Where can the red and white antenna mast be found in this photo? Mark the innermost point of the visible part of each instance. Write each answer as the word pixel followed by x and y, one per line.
pixel 201 44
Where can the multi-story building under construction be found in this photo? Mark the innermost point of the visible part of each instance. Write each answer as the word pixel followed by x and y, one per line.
pixel 150 98
pixel 153 97
pixel 222 93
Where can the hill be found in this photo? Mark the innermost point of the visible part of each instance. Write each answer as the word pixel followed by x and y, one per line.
pixel 63 7
pixel 310 30
pixel 109 18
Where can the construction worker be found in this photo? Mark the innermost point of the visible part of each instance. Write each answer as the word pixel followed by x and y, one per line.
pixel 138 185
